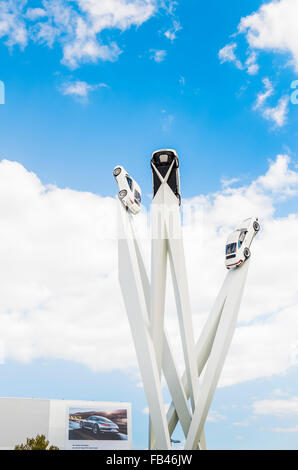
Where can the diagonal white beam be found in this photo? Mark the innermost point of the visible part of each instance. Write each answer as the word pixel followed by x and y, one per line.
pixel 179 277
pixel 221 344
pixel 135 303
pixel 203 346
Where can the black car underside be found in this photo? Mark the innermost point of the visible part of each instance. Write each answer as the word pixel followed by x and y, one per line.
pixel 163 165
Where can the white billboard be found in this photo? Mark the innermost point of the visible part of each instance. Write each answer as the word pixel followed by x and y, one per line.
pixel 97 427
pixel 67 424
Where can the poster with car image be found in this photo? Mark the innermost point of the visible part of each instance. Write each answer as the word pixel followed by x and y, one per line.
pixel 98 428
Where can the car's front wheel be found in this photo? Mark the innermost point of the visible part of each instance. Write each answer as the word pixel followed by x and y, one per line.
pixel 117 171
pixel 256 226
pixel 246 253
pixel 95 429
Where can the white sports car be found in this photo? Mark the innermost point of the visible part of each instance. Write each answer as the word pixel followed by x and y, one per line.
pixel 129 191
pixel 238 243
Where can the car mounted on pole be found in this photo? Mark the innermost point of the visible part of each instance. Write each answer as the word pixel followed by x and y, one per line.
pixel 162 160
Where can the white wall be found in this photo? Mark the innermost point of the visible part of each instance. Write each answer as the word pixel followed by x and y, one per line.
pixel 25 417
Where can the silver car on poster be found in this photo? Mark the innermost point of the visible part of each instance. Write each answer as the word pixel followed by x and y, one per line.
pixel 98 424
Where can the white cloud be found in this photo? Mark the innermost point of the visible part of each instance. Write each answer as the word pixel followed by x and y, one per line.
pixel 12 24
pixel 34 13
pixel 277 114
pixel 242 424
pixel 289 430
pixel 227 54
pixel 280 178
pixel 215 417
pixel 171 33
pixel 79 88
pixel 279 393
pixel 280 408
pixel 76 26
pixel 273 28
pixel 59 289
pixel 263 96
pixel 158 55
pixel 251 64
pixel 226 182
pixel 170 6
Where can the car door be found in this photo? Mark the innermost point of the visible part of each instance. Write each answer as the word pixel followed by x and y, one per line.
pixel 89 423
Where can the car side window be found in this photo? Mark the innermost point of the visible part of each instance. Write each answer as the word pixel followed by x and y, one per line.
pixel 129 180
pixel 241 238
pixel 137 197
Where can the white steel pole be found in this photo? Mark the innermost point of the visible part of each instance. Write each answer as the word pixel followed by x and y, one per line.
pixel 169 368
pixel 223 338
pixel 203 347
pixel 133 294
pixel 167 238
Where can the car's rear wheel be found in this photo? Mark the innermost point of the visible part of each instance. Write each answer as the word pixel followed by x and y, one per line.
pixel 256 226
pixel 246 253
pixel 117 171
pixel 95 429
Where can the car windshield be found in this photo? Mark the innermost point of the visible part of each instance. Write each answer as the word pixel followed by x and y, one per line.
pixel 231 248
pixel 96 418
pixel 129 180
pixel 104 420
pixel 138 197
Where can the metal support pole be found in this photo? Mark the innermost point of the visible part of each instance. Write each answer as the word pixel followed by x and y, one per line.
pixel 221 344
pixel 134 299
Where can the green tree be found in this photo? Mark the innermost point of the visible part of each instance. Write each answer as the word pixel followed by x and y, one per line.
pixel 36 443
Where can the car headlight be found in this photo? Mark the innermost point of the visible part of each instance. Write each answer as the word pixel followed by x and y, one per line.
pixel 122 193
pixel 117 171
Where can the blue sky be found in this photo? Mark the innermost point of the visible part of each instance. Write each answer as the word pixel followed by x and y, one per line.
pixel 56 136
pixel 171 74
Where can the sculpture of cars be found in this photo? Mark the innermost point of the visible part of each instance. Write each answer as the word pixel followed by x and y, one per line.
pixel 98 424
pixel 129 190
pixel 238 243
pixel 161 162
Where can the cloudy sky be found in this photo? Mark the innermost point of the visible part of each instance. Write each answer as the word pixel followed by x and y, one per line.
pixel 90 84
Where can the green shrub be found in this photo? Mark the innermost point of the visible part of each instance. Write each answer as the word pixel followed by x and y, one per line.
pixel 36 443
